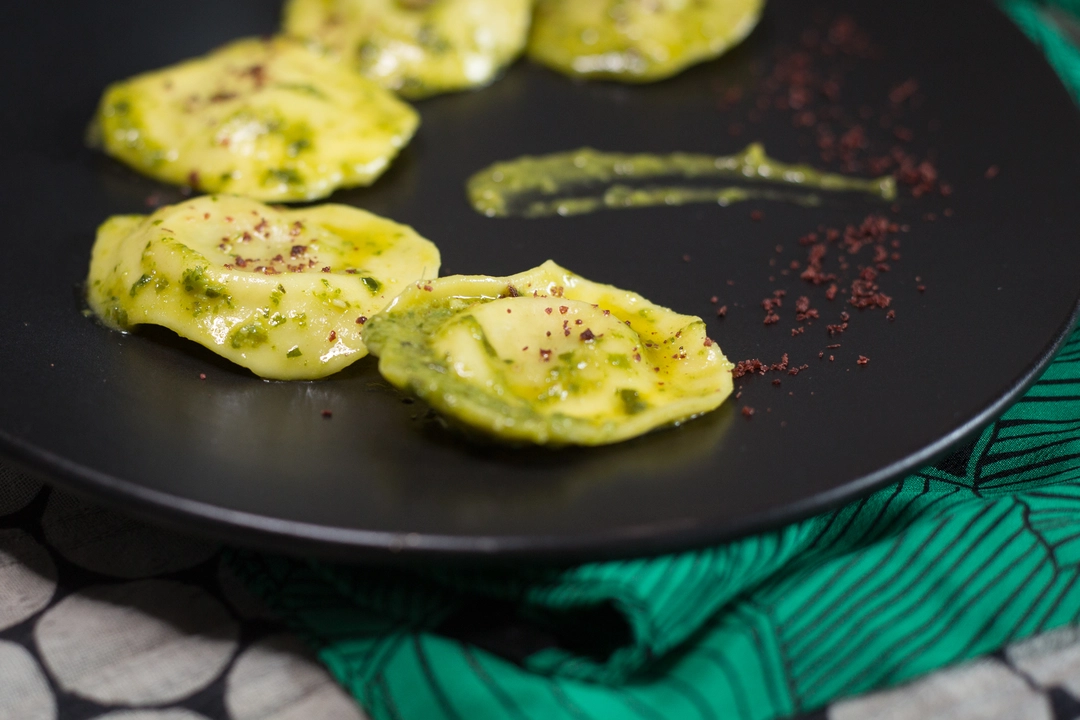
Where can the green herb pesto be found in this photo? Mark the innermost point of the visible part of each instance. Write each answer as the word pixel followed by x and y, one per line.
pixel 138 284
pixel 118 316
pixel 287 176
pixel 251 335
pixel 371 284
pixel 196 283
pixel 632 402
pixel 303 89
pixel 586 180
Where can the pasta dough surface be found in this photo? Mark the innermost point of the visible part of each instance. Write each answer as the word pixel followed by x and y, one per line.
pixel 548 357
pixel 284 293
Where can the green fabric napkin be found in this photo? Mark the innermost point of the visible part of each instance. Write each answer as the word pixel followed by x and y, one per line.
pixel 1043 23
pixel 954 561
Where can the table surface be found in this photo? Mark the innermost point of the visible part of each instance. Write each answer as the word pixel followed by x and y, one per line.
pixel 103 616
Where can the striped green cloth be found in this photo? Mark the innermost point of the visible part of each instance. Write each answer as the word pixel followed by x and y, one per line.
pixel 954 561
pixel 1040 22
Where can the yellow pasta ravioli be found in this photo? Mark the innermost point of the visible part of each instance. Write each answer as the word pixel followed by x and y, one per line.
pixel 416 47
pixel 284 293
pixel 267 119
pixel 548 357
pixel 636 40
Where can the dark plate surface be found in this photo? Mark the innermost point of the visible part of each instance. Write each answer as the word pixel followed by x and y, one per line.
pixel 127 419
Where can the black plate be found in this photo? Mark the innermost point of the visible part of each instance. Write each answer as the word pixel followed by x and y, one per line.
pixel 127 419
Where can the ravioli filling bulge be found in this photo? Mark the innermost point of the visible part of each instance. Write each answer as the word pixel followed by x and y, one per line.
pixel 636 40
pixel 267 119
pixel 565 355
pixel 283 293
pixel 416 49
pixel 548 357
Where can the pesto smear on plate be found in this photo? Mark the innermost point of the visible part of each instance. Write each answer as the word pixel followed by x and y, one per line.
pixel 587 180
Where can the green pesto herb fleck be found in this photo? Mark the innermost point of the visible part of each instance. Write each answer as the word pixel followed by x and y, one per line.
pixel 283 175
pixel 195 282
pixel 118 315
pixel 138 284
pixel 303 89
pixel 295 148
pixel 632 402
pixel 250 335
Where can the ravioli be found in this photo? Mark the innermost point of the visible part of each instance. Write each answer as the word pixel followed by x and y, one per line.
pixel 636 40
pixel 548 357
pixel 284 293
pixel 267 119
pixel 416 47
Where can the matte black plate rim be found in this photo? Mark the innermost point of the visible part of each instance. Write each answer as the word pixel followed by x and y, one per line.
pixel 294 537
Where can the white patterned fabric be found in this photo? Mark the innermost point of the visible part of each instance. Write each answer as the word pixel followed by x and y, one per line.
pixel 104 617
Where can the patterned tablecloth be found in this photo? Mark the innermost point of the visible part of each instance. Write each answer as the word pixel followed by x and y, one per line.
pixel 103 616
